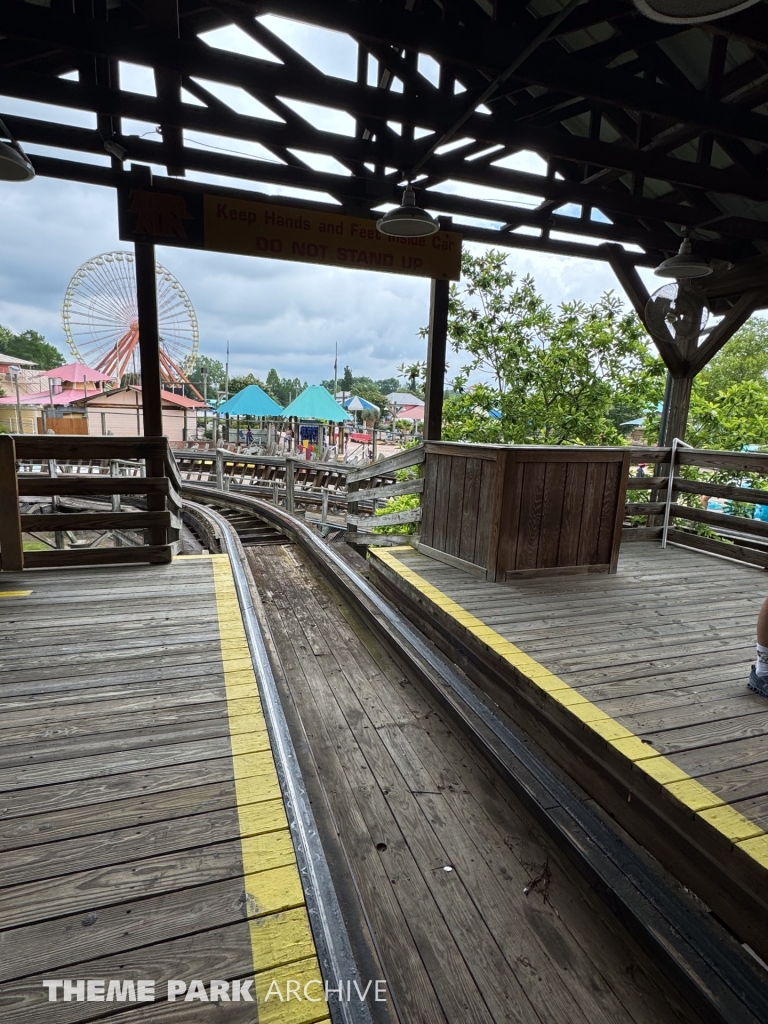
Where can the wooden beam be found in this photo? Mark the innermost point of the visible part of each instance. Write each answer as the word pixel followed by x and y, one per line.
pixel 437 341
pixel 637 293
pixel 11 547
pixel 149 339
pixel 731 322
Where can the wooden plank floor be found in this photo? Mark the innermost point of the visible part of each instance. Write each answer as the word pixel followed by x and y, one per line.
pixel 663 647
pixel 438 854
pixel 143 835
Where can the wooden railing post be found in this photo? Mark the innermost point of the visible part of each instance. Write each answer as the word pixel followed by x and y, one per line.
pixel 324 515
pixel 219 470
pixel 290 479
pixel 11 546
pixel 352 510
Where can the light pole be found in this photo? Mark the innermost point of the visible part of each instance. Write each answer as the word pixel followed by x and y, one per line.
pixel 14 370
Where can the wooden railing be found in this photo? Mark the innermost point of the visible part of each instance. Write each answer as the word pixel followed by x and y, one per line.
pixel 378 482
pixel 69 470
pixel 735 536
pixel 225 469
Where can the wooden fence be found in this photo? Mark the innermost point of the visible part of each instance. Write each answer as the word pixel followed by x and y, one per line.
pixel 378 482
pixel 53 468
pixel 735 536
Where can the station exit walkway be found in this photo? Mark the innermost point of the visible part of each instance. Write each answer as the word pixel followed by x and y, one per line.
pixel 143 834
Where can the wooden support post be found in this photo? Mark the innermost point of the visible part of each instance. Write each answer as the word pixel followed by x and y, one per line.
pixel 275 492
pixel 290 479
pixel 149 354
pixel 219 470
pixel 679 404
pixel 375 446
pixel 436 350
pixel 114 470
pixel 11 546
pixel 324 513
pixel 352 510
pixel 53 472
pixel 149 339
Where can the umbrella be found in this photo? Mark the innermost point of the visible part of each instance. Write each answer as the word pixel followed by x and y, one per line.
pixel 251 401
pixel 315 403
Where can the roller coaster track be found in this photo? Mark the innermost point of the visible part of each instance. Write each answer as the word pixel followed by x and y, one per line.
pixel 707 966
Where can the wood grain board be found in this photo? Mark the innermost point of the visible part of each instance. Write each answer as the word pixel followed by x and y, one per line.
pixel 652 662
pixel 143 832
pixel 405 799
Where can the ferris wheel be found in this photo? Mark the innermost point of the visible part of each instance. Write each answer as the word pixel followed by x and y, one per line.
pixel 101 319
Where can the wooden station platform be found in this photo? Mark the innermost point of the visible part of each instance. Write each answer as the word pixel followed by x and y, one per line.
pixel 470 912
pixel 143 833
pixel 636 685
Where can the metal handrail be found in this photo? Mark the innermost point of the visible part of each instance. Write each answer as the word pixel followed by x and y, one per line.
pixel 676 443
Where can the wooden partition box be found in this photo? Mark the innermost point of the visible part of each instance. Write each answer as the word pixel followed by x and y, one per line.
pixel 502 511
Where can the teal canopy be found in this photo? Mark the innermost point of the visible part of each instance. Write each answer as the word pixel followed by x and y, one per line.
pixel 251 401
pixel 315 403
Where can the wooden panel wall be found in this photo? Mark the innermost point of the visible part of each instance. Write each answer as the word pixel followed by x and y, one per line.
pixel 458 506
pixel 560 513
pixel 512 510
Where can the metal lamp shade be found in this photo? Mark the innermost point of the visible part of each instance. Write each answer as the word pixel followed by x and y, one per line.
pixel 691 12
pixel 684 266
pixel 14 165
pixel 408 220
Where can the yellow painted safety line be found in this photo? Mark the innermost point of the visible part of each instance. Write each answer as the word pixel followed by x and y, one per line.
pixel 743 835
pixel 281 939
pixel 15 593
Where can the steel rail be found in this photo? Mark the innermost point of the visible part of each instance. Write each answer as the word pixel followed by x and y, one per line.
pixel 334 950
pixel 718 977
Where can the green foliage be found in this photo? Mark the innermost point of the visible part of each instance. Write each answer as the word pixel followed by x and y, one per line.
pixel 555 376
pixel 238 383
pixel 371 390
pixel 30 345
pixel 415 374
pixel 283 389
pixel 743 359
pixel 216 375
pixel 387 385
pixel 402 503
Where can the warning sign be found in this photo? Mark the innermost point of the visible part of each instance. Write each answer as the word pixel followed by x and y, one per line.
pixel 221 224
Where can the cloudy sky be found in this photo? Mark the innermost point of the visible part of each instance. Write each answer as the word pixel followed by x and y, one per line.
pixel 273 313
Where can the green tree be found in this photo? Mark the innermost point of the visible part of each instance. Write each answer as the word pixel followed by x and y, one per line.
pixel 347 380
pixel 238 383
pixel 744 358
pixel 547 376
pixel 216 375
pixel 414 374
pixel 30 345
pixel 283 389
pixel 387 385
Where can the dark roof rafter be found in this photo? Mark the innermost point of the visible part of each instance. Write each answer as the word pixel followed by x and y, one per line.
pixel 605 100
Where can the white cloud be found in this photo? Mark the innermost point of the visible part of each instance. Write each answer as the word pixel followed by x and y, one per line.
pixel 286 315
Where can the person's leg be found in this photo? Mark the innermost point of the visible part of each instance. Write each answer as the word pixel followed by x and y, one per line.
pixel 758 677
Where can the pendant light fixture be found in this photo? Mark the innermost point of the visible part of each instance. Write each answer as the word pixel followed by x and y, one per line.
pixel 691 12
pixel 14 162
pixel 684 266
pixel 408 220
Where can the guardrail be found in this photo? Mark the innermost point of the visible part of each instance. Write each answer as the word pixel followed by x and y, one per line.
pixel 379 481
pixel 53 467
pixel 698 475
